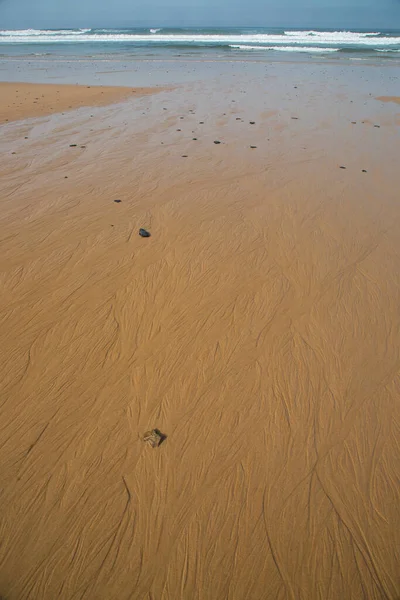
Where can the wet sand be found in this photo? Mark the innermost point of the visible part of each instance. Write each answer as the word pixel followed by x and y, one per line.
pixel 395 99
pixel 24 100
pixel 258 328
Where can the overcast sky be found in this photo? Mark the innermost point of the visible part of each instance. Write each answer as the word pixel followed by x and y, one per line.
pixel 130 13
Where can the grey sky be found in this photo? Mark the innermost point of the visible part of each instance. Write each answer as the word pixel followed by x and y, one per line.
pixel 129 13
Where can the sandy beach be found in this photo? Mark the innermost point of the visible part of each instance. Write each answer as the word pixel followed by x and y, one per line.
pixel 258 328
pixel 24 100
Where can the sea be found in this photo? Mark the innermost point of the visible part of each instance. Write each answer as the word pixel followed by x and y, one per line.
pixel 206 42
pixel 107 56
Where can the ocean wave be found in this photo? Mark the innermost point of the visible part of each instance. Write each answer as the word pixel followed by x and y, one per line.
pixel 319 39
pixel 28 33
pixel 315 49
pixel 333 35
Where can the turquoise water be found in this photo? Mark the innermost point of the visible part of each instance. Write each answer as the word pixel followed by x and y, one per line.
pixel 159 42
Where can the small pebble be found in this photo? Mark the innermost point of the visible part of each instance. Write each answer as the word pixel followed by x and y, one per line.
pixel 252 122
pixel 117 201
pixel 217 142
pixel 73 145
pixel 144 233
pixel 253 147
pixel 342 167
pixel 364 170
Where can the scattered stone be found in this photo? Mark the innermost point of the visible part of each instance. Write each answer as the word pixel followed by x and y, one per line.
pixel 179 129
pixel 354 122
pixel 201 122
pixel 377 126
pixel 117 201
pixel 253 147
pixel 194 139
pixel 217 142
pixel 66 177
pixel 342 167
pixel 238 119
pixel 13 153
pixel 184 155
pixel 26 137
pixel 295 118
pixel 364 170
pixel 144 233
pixel 83 146
pixel 252 122
pixel 154 437
pixel 73 145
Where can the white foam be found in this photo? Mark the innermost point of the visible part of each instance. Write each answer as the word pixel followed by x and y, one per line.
pixel 286 48
pixel 351 36
pixel 294 38
pixel 35 33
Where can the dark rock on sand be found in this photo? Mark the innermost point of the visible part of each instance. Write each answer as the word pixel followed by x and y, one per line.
pixel 154 438
pixel 217 142
pixel 342 167
pixel 73 145
pixel 252 122
pixel 144 233
pixel 117 201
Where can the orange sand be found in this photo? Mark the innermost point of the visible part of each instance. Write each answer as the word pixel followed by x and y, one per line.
pixel 23 100
pixel 258 328
pixel 395 99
